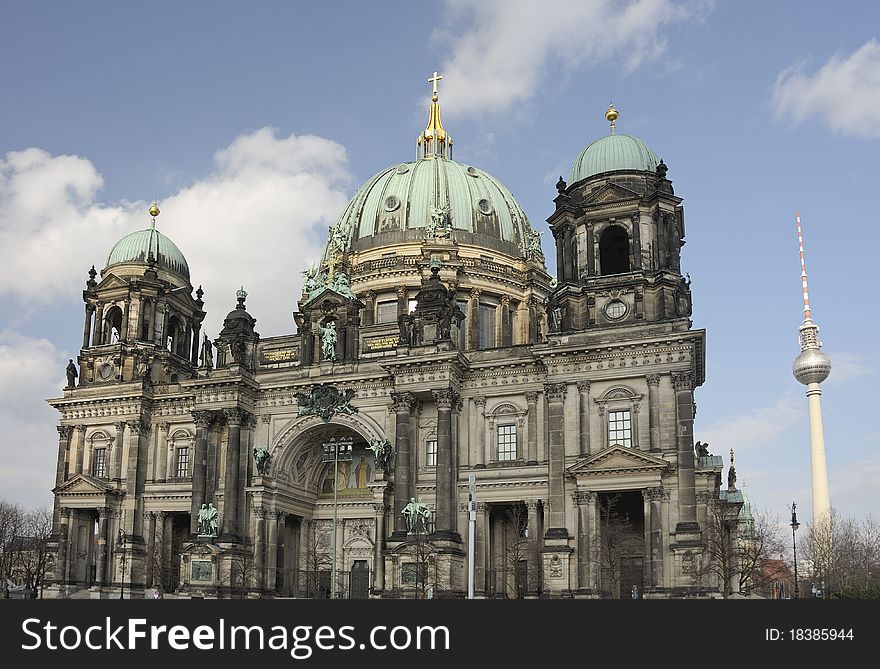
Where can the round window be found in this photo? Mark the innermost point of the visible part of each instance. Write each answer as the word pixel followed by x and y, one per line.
pixel 472 172
pixel 392 202
pixel 615 309
pixel 403 168
pixel 484 206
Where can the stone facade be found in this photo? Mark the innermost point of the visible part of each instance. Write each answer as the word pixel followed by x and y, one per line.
pixel 571 405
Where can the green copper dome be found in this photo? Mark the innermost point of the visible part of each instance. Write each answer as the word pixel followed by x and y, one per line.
pixel 408 196
pixel 613 153
pixel 136 248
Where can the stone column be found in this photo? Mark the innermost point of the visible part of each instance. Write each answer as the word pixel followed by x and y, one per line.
pixel 378 547
pixel 584 416
pixel 444 521
pixel 126 307
pixel 234 419
pixel 654 410
pixel 683 382
pixel 159 540
pixel 555 393
pixel 481 552
pixel 98 332
pixel 480 429
pixel 590 250
pixel 162 453
pixel 64 434
pixel 636 252
pixel 260 546
pixel 534 547
pixel 403 488
pixel 474 328
pixel 151 333
pixel 116 457
pixel 151 547
pixel 402 301
pixel 569 261
pixel 506 326
pixel 370 307
pixel 203 421
pixel 585 500
pixel 654 531
pixel 194 344
pixel 101 557
pixel 80 449
pixel 272 550
pixel 635 424
pixel 87 325
pixel 559 238
pixel 135 474
pixel 532 440
pixel 69 546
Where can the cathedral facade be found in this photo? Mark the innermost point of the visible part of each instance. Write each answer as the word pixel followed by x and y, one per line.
pixel 442 396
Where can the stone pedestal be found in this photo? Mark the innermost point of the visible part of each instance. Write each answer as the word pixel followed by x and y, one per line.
pixel 556 557
pixel 214 569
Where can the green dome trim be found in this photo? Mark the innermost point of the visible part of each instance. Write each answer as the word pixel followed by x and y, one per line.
pixel 613 153
pixel 136 248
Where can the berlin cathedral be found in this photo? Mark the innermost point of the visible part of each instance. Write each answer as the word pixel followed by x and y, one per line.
pixel 446 420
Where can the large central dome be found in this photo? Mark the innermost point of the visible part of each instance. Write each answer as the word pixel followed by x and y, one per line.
pixel 433 197
pixel 401 203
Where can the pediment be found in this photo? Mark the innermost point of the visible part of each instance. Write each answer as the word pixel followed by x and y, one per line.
pixel 617 458
pixel 112 281
pixel 612 193
pixel 330 295
pixel 82 484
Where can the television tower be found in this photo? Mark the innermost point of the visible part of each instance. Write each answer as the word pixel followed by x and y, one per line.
pixel 811 367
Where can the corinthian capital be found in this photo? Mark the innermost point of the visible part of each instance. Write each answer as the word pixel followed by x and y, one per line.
pixel 402 402
pixel 65 432
pixel 683 380
pixel 445 398
pixel 236 416
pixel 653 379
pixel 202 418
pixel 555 392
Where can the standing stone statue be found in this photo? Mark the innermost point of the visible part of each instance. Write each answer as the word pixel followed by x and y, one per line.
pixel 207 353
pixel 328 341
pixel 416 515
pixel 71 373
pixel 263 459
pixel 208 520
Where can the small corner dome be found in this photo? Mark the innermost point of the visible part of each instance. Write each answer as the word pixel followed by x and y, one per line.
pixel 613 153
pixel 135 248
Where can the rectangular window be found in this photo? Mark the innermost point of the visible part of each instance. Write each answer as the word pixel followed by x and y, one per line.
pixel 414 573
pixel 487 326
pixel 386 312
pixel 507 442
pixel 99 464
pixel 431 453
pixel 182 469
pixel 620 428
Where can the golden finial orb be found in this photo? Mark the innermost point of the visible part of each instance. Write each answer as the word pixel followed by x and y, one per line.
pixel 612 114
pixel 154 210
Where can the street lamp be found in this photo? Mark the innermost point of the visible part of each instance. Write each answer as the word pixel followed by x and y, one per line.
pixel 122 579
pixel 794 525
pixel 334 451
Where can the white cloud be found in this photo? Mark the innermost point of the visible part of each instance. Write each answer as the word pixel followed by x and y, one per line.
pixel 509 47
pixel 853 488
pixel 847 366
pixel 755 429
pixel 257 219
pixel 844 93
pixel 31 370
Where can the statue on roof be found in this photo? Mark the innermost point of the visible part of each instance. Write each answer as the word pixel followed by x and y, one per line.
pixel 702 450
pixel 71 373
pixel 439 226
pixel 328 341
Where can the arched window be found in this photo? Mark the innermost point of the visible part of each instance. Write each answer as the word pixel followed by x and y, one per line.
pixel 614 250
pixel 113 325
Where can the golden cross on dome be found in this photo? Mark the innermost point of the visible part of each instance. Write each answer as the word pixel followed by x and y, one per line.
pixel 433 80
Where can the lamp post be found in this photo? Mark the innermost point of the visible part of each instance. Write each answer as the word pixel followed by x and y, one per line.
pixel 122 578
pixel 334 451
pixel 794 525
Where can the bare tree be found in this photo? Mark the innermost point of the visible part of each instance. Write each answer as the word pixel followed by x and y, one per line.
pixel 616 540
pixel 738 547
pixel 32 556
pixel 242 572
pixel 12 518
pixel 515 551
pixel 317 560
pixel 842 557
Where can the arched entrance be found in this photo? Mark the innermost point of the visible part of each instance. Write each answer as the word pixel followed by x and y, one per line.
pixel 325 486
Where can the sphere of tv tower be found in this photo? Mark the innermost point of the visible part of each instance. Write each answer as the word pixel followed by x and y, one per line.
pixel 811 366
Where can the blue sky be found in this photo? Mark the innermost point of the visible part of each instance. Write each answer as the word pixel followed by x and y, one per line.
pixel 253 123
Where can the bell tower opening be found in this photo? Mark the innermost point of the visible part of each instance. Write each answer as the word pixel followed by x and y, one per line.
pixel 614 251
